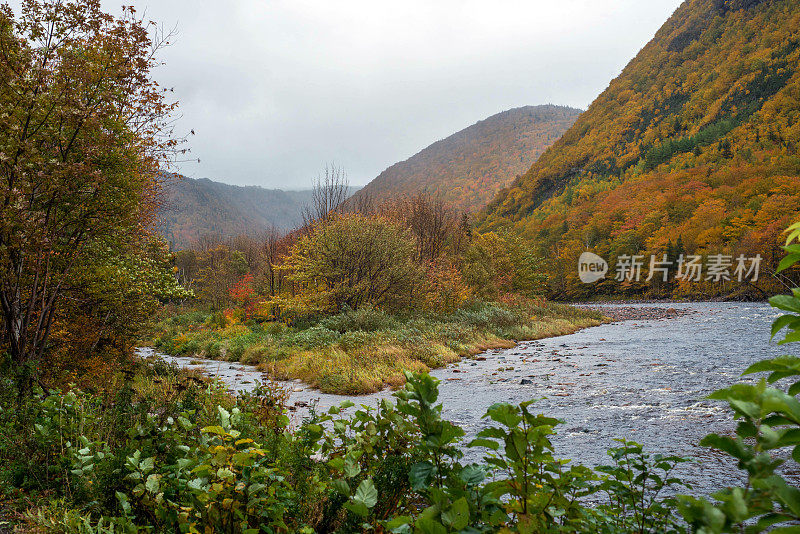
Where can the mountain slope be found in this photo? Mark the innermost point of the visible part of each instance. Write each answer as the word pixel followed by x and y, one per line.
pixel 696 140
pixel 196 208
pixel 470 166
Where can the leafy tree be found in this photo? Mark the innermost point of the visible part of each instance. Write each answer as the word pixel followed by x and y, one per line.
pixel 353 260
pixel 220 270
pixel 82 135
pixel 504 262
pixel 446 290
pixel 113 295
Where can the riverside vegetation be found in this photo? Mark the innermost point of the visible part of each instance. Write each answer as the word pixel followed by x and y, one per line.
pixel 162 451
pixel 361 294
pixel 364 350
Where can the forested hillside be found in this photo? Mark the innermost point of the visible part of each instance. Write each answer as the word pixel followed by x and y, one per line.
pixel 693 148
pixel 196 208
pixel 468 168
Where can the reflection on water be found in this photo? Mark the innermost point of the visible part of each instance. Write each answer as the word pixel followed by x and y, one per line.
pixel 642 380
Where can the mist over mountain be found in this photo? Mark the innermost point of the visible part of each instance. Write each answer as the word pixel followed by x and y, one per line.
pixel 194 208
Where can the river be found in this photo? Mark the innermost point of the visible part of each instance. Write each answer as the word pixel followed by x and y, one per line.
pixel 644 380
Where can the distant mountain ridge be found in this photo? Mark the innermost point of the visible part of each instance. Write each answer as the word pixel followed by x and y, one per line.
pixel 194 208
pixel 469 167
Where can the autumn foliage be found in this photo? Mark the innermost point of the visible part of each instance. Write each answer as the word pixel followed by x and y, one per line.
pixel 84 134
pixel 468 168
pixel 696 141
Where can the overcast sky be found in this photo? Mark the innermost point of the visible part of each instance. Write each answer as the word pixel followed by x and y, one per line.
pixel 275 89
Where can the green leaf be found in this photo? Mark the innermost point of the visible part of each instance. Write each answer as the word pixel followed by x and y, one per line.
pixel 341 486
pixel 224 417
pixel 792 337
pixel 486 443
pixel 123 502
pixel 399 525
pixel 794 233
pixel 504 413
pixel 357 508
pixel 196 484
pixel 420 475
pixel 351 467
pixel 782 322
pixel 788 261
pixel 726 444
pixel 255 487
pixel 242 459
pixel 153 483
pixel 146 465
pixel 492 432
pixel 457 516
pixel 427 525
pixel 224 472
pixel 787 495
pixel 336 463
pixel 786 303
pixel 366 493
pixel 473 474
pixel 737 505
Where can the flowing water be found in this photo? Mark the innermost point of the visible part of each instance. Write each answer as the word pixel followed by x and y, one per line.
pixel 644 380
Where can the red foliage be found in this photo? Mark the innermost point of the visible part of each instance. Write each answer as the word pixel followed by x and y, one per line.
pixel 244 293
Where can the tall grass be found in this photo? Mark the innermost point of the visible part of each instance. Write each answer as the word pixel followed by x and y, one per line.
pixel 365 350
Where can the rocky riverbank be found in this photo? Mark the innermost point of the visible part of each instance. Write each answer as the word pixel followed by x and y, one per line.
pixel 636 313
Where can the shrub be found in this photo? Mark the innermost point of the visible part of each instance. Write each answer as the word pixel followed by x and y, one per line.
pixel 255 354
pixel 189 319
pixel 217 320
pixel 367 318
pixel 353 260
pixel 355 339
pixel 213 350
pixel 316 337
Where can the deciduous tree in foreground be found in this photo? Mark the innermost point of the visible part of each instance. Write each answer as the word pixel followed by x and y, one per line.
pixel 84 130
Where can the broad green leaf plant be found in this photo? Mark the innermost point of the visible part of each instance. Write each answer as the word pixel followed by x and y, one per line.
pixel 767 434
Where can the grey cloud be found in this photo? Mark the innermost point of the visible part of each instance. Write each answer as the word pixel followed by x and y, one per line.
pixel 275 89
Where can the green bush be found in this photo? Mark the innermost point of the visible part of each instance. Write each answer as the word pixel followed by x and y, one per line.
pixel 189 319
pixel 213 350
pixel 255 354
pixel 355 340
pixel 315 337
pixel 216 320
pixel 367 319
